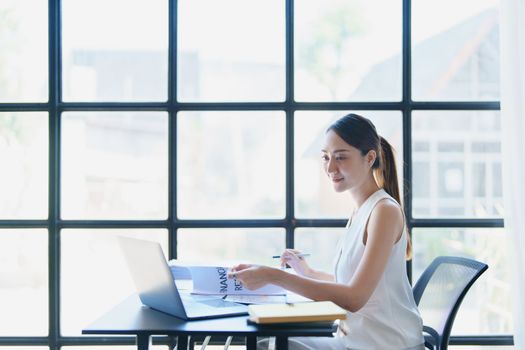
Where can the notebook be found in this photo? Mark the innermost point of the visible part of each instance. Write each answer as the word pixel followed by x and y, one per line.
pixel 315 311
pixel 157 289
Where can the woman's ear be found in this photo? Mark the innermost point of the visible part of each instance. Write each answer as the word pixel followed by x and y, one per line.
pixel 371 157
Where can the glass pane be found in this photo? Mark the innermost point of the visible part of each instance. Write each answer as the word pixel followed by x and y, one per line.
pixel 486 308
pixel 23 282
pixel 314 195
pixel 115 50
pixel 94 274
pixel 321 243
pixel 10 347
pixel 221 347
pixel 230 245
pixel 115 165
pixel 231 165
pixel 348 50
pixel 24 53
pixel 458 173
pixel 481 347
pixel 230 50
pixel 455 53
pixel 24 159
pixel 113 347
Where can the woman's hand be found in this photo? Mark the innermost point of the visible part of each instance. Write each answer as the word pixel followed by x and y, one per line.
pixel 290 257
pixel 251 276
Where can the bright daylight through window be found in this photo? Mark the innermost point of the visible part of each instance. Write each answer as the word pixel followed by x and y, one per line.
pixel 198 124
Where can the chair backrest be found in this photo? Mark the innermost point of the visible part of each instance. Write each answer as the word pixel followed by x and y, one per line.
pixel 439 292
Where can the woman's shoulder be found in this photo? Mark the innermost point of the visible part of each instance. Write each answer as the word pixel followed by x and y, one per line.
pixel 387 212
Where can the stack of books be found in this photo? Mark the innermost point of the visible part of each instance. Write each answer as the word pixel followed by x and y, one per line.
pixel 316 311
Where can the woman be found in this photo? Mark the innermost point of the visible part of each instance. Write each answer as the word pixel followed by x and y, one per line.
pixel 370 279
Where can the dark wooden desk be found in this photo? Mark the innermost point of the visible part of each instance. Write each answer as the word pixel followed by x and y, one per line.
pixel 131 317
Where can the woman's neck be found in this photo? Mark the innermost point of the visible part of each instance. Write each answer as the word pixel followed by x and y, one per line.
pixel 361 193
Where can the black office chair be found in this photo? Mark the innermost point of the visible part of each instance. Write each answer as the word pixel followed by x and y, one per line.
pixel 439 293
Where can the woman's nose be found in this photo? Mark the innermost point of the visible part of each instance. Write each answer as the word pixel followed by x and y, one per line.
pixel 331 167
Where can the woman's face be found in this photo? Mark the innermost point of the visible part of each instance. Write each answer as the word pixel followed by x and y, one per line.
pixel 344 164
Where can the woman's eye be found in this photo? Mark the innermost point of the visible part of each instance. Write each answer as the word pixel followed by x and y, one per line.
pixel 340 158
pixel 325 158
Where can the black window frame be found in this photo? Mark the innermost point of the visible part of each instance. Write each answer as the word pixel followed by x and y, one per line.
pixel 55 107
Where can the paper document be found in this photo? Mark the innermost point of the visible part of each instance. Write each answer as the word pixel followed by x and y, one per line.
pixel 256 299
pixel 179 272
pixel 290 297
pixel 214 280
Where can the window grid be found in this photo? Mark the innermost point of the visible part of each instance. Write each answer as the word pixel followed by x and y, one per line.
pixel 55 107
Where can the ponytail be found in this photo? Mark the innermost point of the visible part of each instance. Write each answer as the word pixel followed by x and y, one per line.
pixel 386 173
pixel 386 176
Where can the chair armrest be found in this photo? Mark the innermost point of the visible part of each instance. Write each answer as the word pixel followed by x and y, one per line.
pixel 431 337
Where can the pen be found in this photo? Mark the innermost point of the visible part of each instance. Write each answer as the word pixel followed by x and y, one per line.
pixel 301 255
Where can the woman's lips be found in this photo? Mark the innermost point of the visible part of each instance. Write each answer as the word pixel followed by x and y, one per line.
pixel 337 180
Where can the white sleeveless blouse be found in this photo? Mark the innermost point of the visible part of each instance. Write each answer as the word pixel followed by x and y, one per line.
pixel 390 319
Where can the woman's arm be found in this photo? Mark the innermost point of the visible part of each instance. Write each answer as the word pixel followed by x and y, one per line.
pixel 290 257
pixel 321 275
pixel 383 229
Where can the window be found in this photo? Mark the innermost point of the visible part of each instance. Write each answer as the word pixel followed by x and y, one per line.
pixel 195 122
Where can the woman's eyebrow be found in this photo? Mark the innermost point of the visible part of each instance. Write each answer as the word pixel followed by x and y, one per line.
pixel 336 151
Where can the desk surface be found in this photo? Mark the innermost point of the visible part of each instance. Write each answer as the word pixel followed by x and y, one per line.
pixel 131 317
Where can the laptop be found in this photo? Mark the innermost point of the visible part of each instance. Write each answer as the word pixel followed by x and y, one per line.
pixel 157 289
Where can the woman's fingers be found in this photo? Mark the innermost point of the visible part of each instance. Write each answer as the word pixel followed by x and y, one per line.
pixel 251 276
pixel 241 267
pixel 291 253
pixel 237 269
pixel 285 258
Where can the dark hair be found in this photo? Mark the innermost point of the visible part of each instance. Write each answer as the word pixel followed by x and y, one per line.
pixel 360 133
